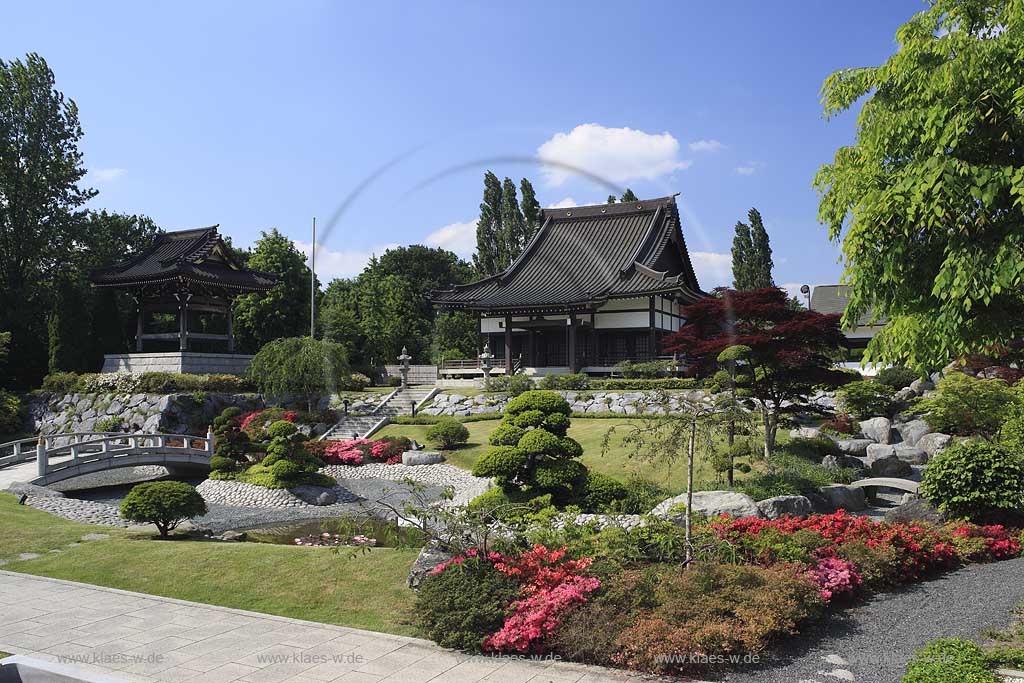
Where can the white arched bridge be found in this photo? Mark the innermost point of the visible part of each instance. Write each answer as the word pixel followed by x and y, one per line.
pixel 65 456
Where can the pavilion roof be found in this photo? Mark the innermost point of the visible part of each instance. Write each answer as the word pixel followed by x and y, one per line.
pixel 585 255
pixel 186 256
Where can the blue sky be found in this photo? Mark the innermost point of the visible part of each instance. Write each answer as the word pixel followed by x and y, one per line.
pixel 258 115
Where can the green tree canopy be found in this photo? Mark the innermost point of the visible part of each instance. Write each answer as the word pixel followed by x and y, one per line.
pixel 751 255
pixel 299 366
pixel 628 196
pixel 928 203
pixel 284 310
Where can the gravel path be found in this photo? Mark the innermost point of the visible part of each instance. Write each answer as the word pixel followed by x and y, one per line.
pixel 872 643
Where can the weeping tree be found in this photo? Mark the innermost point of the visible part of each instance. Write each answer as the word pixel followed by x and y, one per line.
pixel 299 366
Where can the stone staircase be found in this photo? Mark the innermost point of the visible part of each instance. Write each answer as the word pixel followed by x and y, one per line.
pixel 401 402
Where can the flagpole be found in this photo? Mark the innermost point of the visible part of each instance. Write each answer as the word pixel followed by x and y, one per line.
pixel 312 285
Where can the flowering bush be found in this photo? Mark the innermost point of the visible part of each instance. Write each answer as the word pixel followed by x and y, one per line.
pixel 111 382
pixel 358 451
pixel 255 422
pixel 836 577
pixel 975 543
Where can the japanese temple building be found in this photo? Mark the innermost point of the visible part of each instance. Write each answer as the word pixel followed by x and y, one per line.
pixel 183 286
pixel 596 285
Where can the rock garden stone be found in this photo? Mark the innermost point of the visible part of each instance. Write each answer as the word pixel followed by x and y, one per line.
pixel 412 458
pixel 855 447
pixel 779 506
pixel 432 555
pixel 712 504
pixel 877 450
pixel 844 497
pixel 315 495
pixel 891 466
pixel 806 433
pixel 232 536
pixel 911 454
pixel 922 385
pixel 934 443
pixel 915 510
pixel 911 432
pixel 878 429
pixel 905 394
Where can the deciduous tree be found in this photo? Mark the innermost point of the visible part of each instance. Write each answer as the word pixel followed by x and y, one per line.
pixel 488 228
pixel 928 203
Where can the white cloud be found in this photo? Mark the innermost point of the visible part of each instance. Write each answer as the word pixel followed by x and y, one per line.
pixel 457 237
pixel 713 269
pixel 106 175
pixel 566 203
pixel 332 264
pixel 749 168
pixel 706 146
pixel 614 154
pixel 793 289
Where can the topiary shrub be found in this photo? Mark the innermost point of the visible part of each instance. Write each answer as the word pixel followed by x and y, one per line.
pixel 544 401
pixel 540 442
pixel 506 435
pixel 231 441
pixel 602 493
pixel 969 406
pixel 448 433
pixel 975 480
pixel 505 463
pixel 221 464
pixel 463 604
pixel 528 419
pixel 556 423
pixel 562 475
pixel 509 505
pixel 574 382
pixel 865 399
pixel 948 660
pixel 897 377
pixel 514 385
pixel 163 503
pixel 281 429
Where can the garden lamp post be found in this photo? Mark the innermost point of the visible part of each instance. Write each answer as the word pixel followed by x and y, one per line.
pixel 485 364
pixel 403 367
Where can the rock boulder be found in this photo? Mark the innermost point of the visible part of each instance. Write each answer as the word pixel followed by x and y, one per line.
pixel 911 454
pixel 779 506
pixel 915 510
pixel 421 458
pixel 855 447
pixel 934 443
pixel 432 555
pixel 911 432
pixel 890 466
pixel 842 497
pixel 712 504
pixel 878 429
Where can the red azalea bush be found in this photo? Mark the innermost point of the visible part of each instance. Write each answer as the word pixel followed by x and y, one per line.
pixel 255 422
pixel 974 543
pixel 359 451
pixel 836 577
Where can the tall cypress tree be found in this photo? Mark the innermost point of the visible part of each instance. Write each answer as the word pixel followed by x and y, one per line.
pixel 68 319
pixel 628 196
pixel 612 199
pixel 531 209
pixel 761 256
pixel 488 228
pixel 513 225
pixel 742 254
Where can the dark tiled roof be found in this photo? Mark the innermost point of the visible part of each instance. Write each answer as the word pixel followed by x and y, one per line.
pixel 832 299
pixel 589 254
pixel 198 255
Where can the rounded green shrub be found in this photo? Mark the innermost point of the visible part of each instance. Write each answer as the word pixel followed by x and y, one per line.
pixel 271 458
pixel 544 401
pixel 975 480
pixel 281 429
pixel 947 660
pixel 865 399
pixel 503 462
pixel 529 418
pixel 555 474
pixel 513 385
pixel 462 605
pixel 969 406
pixel 219 463
pixel 556 423
pixel 897 377
pixel 165 504
pixel 448 433
pixel 510 505
pixel 506 435
pixel 570 447
pixel 287 470
pixel 540 442
pixel 230 412
pixel 602 493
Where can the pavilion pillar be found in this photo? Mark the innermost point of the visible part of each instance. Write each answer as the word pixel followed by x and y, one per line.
pixel 531 348
pixel 652 334
pixel 138 325
pixel 570 347
pixel 231 327
pixel 183 322
pixel 508 345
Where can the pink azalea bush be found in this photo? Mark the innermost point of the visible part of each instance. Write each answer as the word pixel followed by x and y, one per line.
pixel 836 577
pixel 360 451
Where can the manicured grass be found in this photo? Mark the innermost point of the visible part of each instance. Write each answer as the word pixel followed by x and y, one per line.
pixel 26 530
pixel 366 591
pixel 590 433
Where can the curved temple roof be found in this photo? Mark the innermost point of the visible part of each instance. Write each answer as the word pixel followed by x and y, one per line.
pixel 198 255
pixel 585 255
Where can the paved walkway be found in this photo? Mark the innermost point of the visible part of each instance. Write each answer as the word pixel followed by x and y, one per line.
pixel 142 637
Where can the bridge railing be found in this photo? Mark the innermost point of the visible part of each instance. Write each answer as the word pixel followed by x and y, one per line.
pixel 119 445
pixel 23 450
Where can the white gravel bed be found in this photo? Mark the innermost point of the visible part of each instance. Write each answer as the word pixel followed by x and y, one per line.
pixel 86 511
pixel 467 487
pixel 241 494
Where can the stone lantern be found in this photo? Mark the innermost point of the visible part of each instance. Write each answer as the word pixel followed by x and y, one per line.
pixel 403 367
pixel 485 364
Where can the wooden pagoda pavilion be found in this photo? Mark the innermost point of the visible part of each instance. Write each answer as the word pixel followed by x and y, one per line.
pixel 189 277
pixel 597 285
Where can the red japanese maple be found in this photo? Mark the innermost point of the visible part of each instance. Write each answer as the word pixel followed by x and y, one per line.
pixel 791 350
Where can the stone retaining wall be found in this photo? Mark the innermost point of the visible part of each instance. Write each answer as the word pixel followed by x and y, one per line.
pixel 587 402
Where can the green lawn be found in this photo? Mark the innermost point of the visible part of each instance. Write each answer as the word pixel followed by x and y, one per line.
pixel 367 591
pixel 590 433
pixel 24 529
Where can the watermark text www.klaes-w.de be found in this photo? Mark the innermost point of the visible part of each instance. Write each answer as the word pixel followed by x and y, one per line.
pixel 108 658
pixel 708 660
pixel 310 658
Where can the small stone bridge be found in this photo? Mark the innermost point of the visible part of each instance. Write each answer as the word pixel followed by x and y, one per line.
pixel 888 482
pixel 64 456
